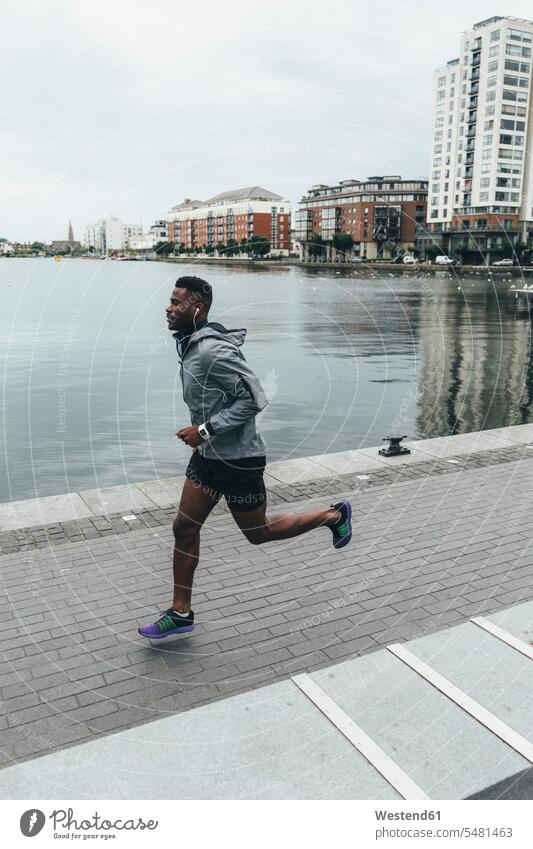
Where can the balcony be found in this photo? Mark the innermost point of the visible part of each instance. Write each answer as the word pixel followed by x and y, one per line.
pixel 461 231
pixel 474 89
pixel 475 74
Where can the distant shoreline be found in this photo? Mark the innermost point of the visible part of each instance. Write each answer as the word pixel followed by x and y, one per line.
pixel 370 267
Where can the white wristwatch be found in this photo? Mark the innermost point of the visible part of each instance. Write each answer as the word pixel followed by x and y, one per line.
pixel 203 431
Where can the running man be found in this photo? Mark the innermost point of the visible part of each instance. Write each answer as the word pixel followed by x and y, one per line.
pixel 228 454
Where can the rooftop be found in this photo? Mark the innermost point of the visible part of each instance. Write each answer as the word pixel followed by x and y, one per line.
pixel 253 192
pixel 246 193
pixel 370 184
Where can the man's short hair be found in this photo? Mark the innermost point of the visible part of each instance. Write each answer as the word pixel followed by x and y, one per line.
pixel 195 285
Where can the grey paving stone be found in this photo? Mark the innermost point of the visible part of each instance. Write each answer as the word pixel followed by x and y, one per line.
pixel 287 604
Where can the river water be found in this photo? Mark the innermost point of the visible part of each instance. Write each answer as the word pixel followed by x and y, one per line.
pixel 91 394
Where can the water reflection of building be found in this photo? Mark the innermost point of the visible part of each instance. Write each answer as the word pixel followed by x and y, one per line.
pixel 474 367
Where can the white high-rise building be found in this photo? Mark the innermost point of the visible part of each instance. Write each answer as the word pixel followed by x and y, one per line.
pixel 110 234
pixel 480 201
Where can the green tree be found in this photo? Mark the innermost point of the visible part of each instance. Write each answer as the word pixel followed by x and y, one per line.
pixel 342 242
pixel 220 247
pixel 519 249
pixel 232 247
pixel 431 251
pixel 37 246
pixel 164 248
pixel 315 245
pixel 258 246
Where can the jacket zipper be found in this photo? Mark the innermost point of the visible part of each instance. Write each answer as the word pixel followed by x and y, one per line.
pixel 247 386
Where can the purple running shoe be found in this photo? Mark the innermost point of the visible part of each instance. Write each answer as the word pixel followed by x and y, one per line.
pixel 342 529
pixel 170 623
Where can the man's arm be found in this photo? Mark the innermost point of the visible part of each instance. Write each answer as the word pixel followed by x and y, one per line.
pixel 226 370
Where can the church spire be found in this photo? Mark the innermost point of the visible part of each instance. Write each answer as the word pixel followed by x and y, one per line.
pixel 70 232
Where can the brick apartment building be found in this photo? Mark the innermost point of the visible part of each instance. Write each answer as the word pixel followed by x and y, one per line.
pixel 382 214
pixel 234 215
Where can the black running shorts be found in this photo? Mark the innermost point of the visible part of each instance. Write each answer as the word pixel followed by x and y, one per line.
pixel 239 481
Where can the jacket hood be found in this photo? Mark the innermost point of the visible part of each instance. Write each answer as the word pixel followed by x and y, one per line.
pixel 235 335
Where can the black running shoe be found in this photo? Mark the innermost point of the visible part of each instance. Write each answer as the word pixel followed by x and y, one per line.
pixel 342 529
pixel 170 623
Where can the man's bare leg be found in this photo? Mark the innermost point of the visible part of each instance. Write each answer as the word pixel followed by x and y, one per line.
pixel 259 528
pixel 195 506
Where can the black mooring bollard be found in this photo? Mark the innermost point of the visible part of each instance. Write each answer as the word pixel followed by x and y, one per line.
pixel 394 448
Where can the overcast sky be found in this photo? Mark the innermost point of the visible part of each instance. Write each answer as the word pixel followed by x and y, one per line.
pixel 126 107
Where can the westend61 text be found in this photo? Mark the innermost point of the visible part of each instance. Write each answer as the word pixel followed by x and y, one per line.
pixel 407 815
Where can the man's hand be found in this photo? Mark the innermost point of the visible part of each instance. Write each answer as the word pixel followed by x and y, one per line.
pixel 190 436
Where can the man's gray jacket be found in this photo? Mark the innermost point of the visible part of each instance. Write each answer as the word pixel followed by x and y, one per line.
pixel 219 387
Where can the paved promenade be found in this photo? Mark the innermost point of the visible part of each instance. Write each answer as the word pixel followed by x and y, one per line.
pixel 440 537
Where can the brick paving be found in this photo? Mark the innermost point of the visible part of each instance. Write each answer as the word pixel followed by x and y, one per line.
pixel 44 536
pixel 434 544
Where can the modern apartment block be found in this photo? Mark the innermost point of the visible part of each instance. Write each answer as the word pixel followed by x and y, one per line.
pixel 382 214
pixel 235 215
pixel 481 188
pixel 110 234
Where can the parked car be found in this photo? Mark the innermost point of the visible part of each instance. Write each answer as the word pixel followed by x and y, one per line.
pixel 445 260
pixel 409 260
pixel 358 259
pixel 503 262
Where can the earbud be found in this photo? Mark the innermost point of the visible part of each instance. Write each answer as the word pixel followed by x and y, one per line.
pixel 197 310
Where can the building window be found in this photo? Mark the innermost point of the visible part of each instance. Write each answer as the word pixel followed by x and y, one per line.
pixel 514 50
pixel 518 35
pixel 495 35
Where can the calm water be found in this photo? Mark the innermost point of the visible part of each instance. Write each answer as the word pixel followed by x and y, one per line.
pixel 91 393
